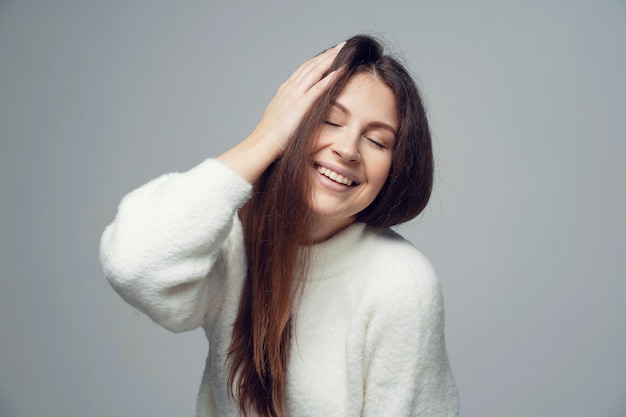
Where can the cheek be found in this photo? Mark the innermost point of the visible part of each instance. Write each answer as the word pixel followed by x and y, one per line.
pixel 380 173
pixel 320 140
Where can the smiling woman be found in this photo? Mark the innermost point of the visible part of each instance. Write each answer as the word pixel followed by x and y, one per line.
pixel 280 250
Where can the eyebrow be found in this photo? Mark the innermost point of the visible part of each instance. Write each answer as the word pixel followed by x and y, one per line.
pixel 378 124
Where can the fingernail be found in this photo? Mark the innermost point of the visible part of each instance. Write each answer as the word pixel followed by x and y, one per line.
pixel 340 45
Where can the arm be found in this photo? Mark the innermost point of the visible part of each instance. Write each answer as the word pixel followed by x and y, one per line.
pixel 161 250
pixel 166 238
pixel 407 372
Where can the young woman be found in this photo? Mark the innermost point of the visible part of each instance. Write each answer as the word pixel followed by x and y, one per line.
pixel 280 250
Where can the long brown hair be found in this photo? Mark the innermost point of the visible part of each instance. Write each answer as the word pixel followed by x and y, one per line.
pixel 277 218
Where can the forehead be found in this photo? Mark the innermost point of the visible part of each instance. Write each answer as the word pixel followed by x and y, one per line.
pixel 367 96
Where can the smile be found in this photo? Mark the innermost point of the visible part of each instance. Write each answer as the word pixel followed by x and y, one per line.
pixel 338 178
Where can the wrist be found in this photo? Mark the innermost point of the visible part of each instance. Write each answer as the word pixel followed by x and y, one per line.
pixel 251 157
pixel 265 142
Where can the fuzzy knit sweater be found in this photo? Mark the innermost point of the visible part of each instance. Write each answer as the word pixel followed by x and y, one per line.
pixel 368 336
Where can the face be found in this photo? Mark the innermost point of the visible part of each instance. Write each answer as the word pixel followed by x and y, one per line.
pixel 352 157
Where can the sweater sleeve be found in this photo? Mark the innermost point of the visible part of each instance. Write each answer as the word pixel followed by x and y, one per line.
pixel 407 372
pixel 161 250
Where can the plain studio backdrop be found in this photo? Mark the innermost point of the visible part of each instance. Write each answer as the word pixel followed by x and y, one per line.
pixel 526 227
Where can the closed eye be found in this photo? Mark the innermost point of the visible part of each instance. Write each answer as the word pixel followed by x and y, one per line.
pixel 333 124
pixel 375 143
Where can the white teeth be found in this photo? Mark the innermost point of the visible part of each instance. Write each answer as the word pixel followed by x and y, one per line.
pixel 334 176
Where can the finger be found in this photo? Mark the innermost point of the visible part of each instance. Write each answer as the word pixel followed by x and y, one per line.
pixel 325 58
pixel 322 60
pixel 320 87
pixel 313 74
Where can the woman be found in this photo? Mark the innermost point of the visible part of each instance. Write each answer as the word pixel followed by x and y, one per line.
pixel 280 250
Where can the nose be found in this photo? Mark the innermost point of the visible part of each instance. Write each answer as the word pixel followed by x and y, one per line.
pixel 346 147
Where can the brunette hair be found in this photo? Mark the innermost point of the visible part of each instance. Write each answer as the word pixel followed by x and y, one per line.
pixel 277 218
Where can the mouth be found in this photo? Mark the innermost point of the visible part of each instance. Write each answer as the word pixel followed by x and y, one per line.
pixel 342 179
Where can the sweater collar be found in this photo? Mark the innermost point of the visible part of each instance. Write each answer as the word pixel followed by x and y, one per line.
pixel 340 252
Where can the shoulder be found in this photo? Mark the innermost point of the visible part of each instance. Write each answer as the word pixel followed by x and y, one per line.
pixel 400 273
pixel 398 258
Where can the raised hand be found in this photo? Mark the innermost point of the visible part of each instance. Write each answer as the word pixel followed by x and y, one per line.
pixel 295 97
pixel 282 115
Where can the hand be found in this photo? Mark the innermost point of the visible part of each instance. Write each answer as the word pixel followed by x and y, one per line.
pixel 294 99
pixel 251 157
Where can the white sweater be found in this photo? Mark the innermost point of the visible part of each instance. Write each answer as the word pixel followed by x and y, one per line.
pixel 369 336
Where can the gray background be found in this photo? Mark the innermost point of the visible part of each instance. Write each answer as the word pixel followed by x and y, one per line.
pixel 526 227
